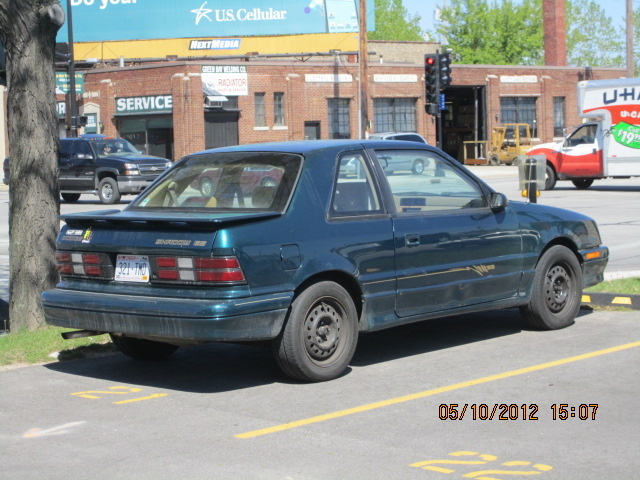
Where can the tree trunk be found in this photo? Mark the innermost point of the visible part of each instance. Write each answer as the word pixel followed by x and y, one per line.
pixel 28 29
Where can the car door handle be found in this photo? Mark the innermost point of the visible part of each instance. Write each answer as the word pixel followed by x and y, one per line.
pixel 411 239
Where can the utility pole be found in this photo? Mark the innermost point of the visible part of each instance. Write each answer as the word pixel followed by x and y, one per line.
pixel 72 75
pixel 364 96
pixel 629 22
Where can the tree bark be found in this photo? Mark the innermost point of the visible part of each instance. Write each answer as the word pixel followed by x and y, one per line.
pixel 28 29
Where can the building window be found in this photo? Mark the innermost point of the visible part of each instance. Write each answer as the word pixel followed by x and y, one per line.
pixel 278 109
pixel 519 110
pixel 558 117
pixel 261 117
pixel 394 114
pixel 339 126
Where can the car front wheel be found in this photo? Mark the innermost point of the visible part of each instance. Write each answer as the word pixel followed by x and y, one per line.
pixel 141 349
pixel 557 290
pixel 320 334
pixel 108 191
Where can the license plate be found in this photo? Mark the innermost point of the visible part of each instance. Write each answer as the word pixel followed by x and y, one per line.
pixel 132 268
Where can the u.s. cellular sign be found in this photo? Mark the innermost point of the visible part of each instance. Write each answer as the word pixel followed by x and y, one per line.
pixel 112 20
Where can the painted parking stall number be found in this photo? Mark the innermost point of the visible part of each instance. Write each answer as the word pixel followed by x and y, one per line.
pixel 118 391
pixel 463 461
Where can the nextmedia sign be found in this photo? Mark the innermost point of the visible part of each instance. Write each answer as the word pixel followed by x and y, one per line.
pixel 215 44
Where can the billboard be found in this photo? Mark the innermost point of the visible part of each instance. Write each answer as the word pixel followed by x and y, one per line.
pixel 115 20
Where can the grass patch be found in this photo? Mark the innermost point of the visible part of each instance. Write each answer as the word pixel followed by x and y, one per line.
pixel 46 345
pixel 623 286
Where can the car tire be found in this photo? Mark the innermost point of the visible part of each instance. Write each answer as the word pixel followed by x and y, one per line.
pixel 550 178
pixel 206 187
pixel 141 349
pixel 108 191
pixel 582 183
pixel 494 160
pixel 557 291
pixel 320 334
pixel 418 167
pixel 70 197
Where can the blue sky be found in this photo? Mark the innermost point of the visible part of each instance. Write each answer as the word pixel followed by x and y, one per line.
pixel 425 8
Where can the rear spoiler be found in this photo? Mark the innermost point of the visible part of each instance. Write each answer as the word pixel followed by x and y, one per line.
pixel 117 217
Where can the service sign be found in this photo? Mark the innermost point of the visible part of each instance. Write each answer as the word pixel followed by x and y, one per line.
pixel 110 20
pixel 228 80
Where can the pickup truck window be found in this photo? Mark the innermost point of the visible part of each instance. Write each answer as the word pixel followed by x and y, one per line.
pixel 226 181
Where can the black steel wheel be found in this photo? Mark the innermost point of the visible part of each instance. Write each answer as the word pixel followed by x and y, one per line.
pixel 141 349
pixel 70 197
pixel 108 191
pixel 557 290
pixel 320 334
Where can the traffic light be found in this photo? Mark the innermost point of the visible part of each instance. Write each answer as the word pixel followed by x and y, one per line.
pixel 444 69
pixel 431 78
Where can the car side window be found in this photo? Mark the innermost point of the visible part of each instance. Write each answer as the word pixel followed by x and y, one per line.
pixel 422 181
pixel 354 192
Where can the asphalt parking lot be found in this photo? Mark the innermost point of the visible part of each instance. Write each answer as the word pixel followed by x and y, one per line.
pixel 465 397
pixel 475 396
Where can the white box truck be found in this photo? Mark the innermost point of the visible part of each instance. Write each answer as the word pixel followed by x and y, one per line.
pixel 606 146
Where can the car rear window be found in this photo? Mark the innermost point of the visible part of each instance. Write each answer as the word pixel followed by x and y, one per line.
pixel 226 181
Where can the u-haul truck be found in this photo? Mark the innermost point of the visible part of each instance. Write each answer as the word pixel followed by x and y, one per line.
pixel 608 145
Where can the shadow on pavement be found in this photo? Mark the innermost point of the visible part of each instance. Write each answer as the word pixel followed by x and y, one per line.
pixel 219 367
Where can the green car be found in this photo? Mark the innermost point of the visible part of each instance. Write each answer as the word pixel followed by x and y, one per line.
pixel 330 247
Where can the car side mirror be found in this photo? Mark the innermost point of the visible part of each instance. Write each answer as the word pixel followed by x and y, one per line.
pixel 498 202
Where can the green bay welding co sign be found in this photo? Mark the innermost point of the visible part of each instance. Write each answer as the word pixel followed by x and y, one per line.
pixel 144 105
pixel 109 20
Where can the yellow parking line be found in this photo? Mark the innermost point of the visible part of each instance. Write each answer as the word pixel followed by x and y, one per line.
pixel 428 393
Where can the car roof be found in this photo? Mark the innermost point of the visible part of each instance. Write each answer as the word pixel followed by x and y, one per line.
pixel 307 146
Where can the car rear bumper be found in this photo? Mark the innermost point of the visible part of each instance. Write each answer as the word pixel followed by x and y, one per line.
pixel 241 319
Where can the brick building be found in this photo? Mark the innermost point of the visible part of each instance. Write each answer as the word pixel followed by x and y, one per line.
pixel 172 108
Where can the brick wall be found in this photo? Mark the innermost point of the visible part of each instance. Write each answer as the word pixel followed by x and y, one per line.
pixel 307 100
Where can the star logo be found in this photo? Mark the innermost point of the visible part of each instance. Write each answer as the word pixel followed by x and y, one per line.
pixel 202 12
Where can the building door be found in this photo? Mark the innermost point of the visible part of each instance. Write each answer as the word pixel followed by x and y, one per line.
pixel 221 128
pixel 311 130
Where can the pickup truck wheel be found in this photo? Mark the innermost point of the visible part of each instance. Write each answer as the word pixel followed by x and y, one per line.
pixel 557 291
pixel 108 191
pixel 320 334
pixel 550 178
pixel 582 183
pixel 141 349
pixel 70 197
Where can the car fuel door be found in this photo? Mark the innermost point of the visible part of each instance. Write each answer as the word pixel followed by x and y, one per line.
pixel 451 249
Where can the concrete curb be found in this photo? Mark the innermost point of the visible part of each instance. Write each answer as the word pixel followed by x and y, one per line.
pixel 611 300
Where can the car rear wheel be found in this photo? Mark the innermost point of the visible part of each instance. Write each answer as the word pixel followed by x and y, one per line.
pixel 70 197
pixel 108 191
pixel 141 349
pixel 557 291
pixel 320 334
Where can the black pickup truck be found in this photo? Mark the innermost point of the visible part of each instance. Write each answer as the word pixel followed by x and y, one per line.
pixel 108 167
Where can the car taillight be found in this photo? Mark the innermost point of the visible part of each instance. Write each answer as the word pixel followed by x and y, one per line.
pixel 82 264
pixel 209 270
